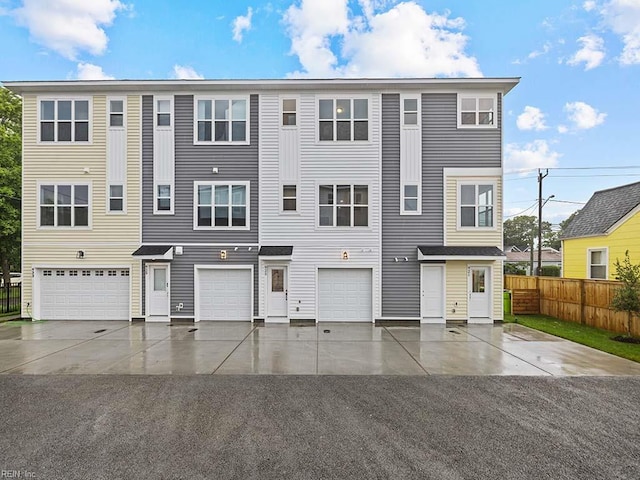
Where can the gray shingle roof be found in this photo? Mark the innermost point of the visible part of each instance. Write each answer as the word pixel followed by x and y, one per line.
pixel 603 210
pixel 275 251
pixel 441 250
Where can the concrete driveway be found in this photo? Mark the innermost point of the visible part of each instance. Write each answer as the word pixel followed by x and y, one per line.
pixel 323 349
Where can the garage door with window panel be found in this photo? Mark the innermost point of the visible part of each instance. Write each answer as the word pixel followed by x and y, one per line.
pixel 83 294
pixel 345 295
pixel 224 294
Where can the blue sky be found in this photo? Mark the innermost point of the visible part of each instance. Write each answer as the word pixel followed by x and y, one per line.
pixel 576 106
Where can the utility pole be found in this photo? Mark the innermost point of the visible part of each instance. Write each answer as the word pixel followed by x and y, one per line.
pixel 540 204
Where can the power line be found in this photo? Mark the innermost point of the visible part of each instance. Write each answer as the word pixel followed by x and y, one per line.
pixel 523 211
pixel 568 201
pixel 528 170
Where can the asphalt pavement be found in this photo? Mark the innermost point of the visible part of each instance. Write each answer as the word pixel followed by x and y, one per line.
pixel 319 427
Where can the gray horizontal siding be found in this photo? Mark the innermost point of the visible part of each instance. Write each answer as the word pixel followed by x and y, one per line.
pixel 443 145
pixel 194 162
pixel 182 276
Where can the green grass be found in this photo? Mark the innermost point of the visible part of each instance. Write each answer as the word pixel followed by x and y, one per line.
pixel 590 336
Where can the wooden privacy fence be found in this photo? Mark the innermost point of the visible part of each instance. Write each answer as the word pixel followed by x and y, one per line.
pixel 575 300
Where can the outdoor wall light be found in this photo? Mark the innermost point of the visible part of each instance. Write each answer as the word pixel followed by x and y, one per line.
pixel 345 255
pixel 80 254
pixel 223 254
pixel 395 259
pixel 214 170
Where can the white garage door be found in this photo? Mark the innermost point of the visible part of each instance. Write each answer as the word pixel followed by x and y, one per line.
pixel 224 294
pixel 345 294
pixel 83 294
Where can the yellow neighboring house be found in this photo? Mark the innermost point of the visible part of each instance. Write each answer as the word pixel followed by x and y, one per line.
pixel 607 226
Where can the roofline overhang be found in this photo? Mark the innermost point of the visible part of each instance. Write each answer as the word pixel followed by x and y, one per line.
pixel 502 84
pixel 441 258
pixel 280 258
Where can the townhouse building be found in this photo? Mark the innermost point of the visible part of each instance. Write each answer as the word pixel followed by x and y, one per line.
pixel 274 200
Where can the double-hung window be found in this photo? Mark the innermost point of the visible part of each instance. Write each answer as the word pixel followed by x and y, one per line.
pixel 410 112
pixel 220 205
pixel 116 113
pixel 289 198
pixel 343 205
pixel 222 120
pixel 598 260
pixel 116 198
pixel 64 120
pixel 410 199
pixel 64 205
pixel 477 111
pixel 289 112
pixel 477 205
pixel 163 199
pixel 343 119
pixel 163 112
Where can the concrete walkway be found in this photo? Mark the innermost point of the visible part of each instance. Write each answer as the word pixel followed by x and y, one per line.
pixel 323 349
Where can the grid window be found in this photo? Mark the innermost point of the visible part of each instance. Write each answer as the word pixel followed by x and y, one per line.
pixel 99 273
pixel 476 205
pixel 64 120
pixel 46 273
pixel 86 273
pixel 343 205
pixel 163 113
pixel 116 113
pixel 73 273
pixel 477 111
pixel 124 273
pixel 343 119
pixel 59 273
pixel 221 205
pixel 598 264
pixel 289 112
pixel 112 273
pixel 64 205
pixel 116 198
pixel 289 202
pixel 410 111
pixel 222 120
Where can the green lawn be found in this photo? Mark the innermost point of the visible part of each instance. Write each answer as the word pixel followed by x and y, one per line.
pixel 592 337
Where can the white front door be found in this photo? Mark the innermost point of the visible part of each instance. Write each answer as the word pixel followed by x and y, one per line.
pixel 277 292
pixel 432 286
pixel 479 294
pixel 158 291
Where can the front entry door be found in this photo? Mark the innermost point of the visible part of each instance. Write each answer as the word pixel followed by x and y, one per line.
pixel 479 293
pixel 277 292
pixel 158 290
pixel 432 286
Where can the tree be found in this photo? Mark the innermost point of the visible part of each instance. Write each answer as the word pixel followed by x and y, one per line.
pixel 10 181
pixel 520 231
pixel 627 297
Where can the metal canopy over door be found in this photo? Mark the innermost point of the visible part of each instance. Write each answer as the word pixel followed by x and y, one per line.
pixel 224 294
pixel 277 292
pixel 479 294
pixel 432 294
pixel 344 295
pixel 83 293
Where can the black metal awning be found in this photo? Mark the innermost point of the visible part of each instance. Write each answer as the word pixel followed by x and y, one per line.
pixel 154 252
pixel 441 252
pixel 276 251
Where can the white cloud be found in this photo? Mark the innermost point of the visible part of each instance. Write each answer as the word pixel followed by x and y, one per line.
pixel 403 40
pixel 623 17
pixel 531 119
pixel 592 52
pixel 527 157
pixel 589 5
pixel 88 71
pixel 537 53
pixel 184 72
pixel 562 129
pixel 583 115
pixel 69 26
pixel 242 23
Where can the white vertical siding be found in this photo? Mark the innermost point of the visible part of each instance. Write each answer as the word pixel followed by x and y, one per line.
pixel 410 155
pixel 163 156
pixel 116 155
pixel 289 156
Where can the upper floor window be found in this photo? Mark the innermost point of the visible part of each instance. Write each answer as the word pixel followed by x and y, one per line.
pixel 477 111
pixel 477 205
pixel 64 205
pixel 164 200
pixel 222 120
pixel 116 113
pixel 163 112
pixel 410 199
pixel 289 198
pixel 598 263
pixel 116 198
pixel 221 205
pixel 343 205
pixel 64 120
pixel 410 111
pixel 343 119
pixel 289 112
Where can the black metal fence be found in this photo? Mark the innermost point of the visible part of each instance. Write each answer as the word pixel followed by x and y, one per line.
pixel 10 298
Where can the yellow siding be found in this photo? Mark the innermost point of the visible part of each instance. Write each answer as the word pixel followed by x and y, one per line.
pixel 476 236
pixel 112 238
pixel 457 289
pixel 623 238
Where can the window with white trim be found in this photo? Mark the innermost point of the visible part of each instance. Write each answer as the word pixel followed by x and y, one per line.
pixel 410 111
pixel 64 205
pixel 477 205
pixel 220 205
pixel 289 198
pixel 222 120
pixel 343 119
pixel 410 198
pixel 116 113
pixel 116 198
pixel 343 205
pixel 163 199
pixel 598 263
pixel 477 111
pixel 163 112
pixel 64 120
pixel 289 112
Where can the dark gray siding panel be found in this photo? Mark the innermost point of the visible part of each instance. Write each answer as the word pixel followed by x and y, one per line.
pixel 443 145
pixel 194 162
pixel 182 273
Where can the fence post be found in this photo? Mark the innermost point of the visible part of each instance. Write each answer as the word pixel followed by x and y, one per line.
pixel 583 294
pixel 7 289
